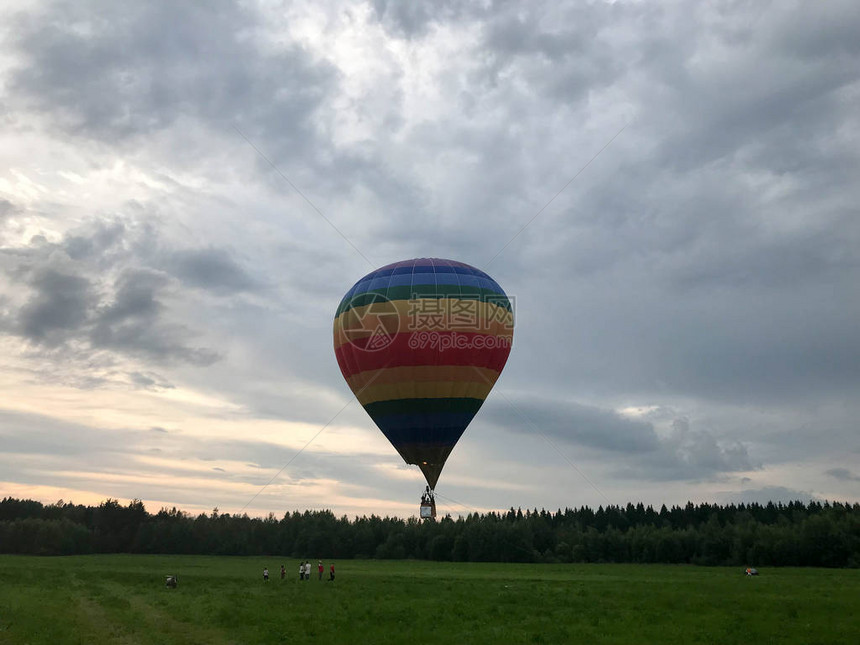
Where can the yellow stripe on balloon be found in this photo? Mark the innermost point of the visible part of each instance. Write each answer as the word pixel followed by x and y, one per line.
pixel 426 390
pixel 423 314
pixel 423 373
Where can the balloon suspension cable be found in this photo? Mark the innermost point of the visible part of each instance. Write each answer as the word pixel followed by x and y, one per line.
pixel 470 509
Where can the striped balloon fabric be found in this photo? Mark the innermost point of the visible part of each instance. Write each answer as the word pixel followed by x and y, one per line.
pixel 421 343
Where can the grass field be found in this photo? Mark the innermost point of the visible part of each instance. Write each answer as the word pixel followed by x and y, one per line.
pixel 122 599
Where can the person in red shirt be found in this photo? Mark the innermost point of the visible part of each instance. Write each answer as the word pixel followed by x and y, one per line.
pixel 320 569
pixel 331 571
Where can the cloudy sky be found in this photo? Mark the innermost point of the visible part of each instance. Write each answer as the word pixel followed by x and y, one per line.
pixel 188 189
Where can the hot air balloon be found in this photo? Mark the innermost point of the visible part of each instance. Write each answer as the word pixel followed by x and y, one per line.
pixel 421 343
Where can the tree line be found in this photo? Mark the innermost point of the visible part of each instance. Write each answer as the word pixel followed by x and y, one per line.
pixel 825 534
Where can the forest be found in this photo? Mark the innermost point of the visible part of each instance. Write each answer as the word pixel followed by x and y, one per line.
pixel 820 534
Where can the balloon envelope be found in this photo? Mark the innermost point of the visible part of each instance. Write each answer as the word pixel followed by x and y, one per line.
pixel 421 343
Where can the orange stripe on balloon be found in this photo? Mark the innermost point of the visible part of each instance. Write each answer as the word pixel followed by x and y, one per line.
pixel 370 328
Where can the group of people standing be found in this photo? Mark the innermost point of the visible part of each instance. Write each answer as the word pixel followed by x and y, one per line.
pixel 304 571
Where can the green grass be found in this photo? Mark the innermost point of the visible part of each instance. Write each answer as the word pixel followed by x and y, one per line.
pixel 122 599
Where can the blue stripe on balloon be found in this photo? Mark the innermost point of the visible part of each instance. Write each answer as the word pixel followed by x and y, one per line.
pixel 422 280
pixel 424 274
pixel 414 427
pixel 379 283
pixel 401 280
pixel 470 281
pixel 427 268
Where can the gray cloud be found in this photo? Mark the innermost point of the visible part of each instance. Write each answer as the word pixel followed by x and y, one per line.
pixel 212 269
pixel 843 474
pixel 413 19
pixel 93 455
pixel 6 208
pixel 59 305
pixel 687 454
pixel 96 241
pixel 581 425
pixel 132 322
pixel 705 262
pixel 73 303
pixel 150 381
pixel 639 451
pixel 116 74
pixel 765 495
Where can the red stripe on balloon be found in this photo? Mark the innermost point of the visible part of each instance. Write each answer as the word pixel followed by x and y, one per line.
pixel 446 348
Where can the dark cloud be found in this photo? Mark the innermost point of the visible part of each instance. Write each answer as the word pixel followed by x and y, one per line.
pixel 119 73
pixel 637 450
pixel 687 454
pixel 559 52
pixel 133 323
pixel 843 474
pixel 581 425
pixel 135 296
pixel 413 19
pixel 59 305
pixel 89 293
pixel 96 241
pixel 212 269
